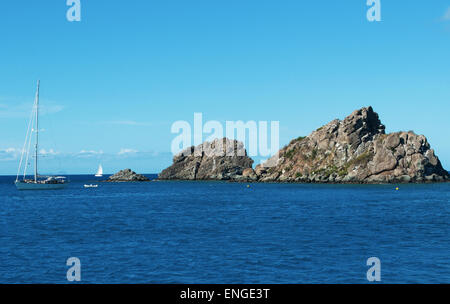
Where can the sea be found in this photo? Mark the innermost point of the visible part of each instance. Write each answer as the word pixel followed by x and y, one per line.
pixel 221 232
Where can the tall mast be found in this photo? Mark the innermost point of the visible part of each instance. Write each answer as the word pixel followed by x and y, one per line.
pixel 37 134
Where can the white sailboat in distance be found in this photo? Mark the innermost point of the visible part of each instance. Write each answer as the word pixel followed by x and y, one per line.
pixel 37 182
pixel 99 171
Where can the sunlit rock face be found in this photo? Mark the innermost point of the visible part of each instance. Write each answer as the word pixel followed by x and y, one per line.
pixel 221 159
pixel 355 150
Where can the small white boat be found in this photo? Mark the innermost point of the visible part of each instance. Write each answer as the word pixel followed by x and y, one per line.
pixel 91 186
pixel 99 171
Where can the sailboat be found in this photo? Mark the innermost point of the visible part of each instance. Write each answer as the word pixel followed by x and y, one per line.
pixel 99 171
pixel 37 182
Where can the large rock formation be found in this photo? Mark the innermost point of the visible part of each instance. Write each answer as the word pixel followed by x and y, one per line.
pixel 127 175
pixel 222 159
pixel 354 150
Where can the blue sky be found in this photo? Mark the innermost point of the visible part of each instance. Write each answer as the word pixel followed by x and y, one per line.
pixel 113 84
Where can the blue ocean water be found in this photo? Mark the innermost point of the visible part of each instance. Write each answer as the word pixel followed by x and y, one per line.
pixel 219 232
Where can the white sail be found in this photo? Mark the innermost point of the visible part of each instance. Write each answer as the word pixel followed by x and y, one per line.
pixel 99 171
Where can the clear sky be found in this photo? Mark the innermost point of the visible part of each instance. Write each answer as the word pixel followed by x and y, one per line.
pixel 113 84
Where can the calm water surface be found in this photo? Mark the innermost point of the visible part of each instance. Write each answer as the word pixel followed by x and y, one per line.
pixel 214 232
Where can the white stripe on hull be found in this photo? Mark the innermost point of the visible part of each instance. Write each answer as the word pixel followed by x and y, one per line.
pixel 33 186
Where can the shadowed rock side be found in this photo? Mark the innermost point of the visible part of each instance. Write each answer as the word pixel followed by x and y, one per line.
pixel 354 150
pixel 127 175
pixel 222 159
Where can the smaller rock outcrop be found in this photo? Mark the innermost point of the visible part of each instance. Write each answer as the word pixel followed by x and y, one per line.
pixel 221 159
pixel 127 175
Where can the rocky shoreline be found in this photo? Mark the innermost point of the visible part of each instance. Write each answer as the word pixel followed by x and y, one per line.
pixel 355 150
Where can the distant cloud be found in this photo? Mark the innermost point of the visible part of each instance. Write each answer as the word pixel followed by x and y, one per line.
pixel 47 152
pixel 13 153
pixel 51 109
pixel 89 153
pixel 16 109
pixel 86 161
pixel 9 154
pixel 127 123
pixel 127 151
pixel 446 16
